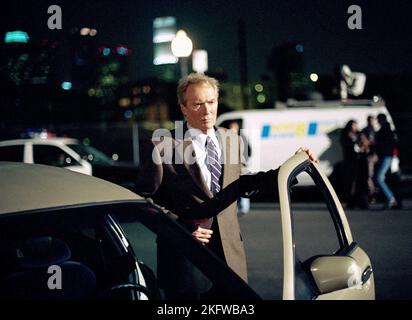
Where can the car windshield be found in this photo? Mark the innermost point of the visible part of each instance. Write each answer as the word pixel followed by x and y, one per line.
pixel 91 154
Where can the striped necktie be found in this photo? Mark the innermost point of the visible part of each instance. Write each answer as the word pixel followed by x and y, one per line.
pixel 213 164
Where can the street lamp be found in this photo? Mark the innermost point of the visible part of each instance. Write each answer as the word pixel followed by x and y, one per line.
pixel 182 48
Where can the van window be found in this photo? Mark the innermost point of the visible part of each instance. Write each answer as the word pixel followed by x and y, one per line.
pixel 227 123
pixel 237 125
pixel 12 153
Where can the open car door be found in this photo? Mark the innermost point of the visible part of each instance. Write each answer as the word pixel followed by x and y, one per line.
pixel 345 272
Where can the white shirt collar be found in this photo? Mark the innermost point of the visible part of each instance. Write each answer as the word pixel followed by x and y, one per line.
pixel 200 137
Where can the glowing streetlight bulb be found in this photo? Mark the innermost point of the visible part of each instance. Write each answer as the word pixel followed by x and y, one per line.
pixel 182 46
pixel 314 77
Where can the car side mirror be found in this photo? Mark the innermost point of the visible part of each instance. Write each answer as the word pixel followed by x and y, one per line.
pixel 332 273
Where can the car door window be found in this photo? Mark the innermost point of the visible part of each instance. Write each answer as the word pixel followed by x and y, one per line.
pixel 163 246
pixel 53 156
pixel 314 231
pixel 144 244
pixel 158 273
pixel 11 153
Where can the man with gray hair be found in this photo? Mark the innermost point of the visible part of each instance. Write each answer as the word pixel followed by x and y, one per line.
pixel 200 184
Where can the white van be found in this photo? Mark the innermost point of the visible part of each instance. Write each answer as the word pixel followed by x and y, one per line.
pixel 275 134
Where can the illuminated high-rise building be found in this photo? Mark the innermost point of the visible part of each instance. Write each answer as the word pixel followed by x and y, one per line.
pixel 164 30
pixel 27 77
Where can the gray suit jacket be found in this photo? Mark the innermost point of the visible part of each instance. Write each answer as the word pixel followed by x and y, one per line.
pixel 175 182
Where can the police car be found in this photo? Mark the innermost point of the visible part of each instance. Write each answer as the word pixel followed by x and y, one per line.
pixel 70 154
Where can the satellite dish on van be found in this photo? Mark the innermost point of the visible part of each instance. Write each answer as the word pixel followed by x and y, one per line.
pixel 358 85
pixel 352 83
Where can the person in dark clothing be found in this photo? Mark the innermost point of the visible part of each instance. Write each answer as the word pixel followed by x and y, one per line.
pixel 348 140
pixel 385 144
pixel 363 171
pixel 368 133
pixel 354 160
pixel 370 130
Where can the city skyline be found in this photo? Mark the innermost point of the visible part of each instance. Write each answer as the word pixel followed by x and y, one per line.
pixel 383 45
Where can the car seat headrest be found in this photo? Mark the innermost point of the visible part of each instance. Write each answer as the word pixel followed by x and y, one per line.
pixel 42 252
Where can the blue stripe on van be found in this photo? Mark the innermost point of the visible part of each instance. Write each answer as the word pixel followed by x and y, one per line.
pixel 265 131
pixel 313 126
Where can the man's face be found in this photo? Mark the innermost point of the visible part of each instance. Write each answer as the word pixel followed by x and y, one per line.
pixel 200 107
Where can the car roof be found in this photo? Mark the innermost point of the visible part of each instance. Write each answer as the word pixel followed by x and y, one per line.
pixel 40 141
pixel 30 187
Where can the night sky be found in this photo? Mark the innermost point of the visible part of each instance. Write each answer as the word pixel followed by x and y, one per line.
pixel 383 46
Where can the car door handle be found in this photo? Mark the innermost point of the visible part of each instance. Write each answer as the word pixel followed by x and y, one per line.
pixel 366 274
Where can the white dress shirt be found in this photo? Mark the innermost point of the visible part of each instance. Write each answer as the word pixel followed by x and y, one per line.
pixel 199 146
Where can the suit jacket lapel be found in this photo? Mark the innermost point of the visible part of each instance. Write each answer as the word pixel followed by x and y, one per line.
pixel 225 145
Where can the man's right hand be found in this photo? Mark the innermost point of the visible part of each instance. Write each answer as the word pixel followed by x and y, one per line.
pixel 202 234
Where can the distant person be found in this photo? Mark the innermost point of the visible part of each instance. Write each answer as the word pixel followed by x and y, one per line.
pixel 362 172
pixel 370 129
pixel 372 159
pixel 352 165
pixel 385 144
pixel 243 203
